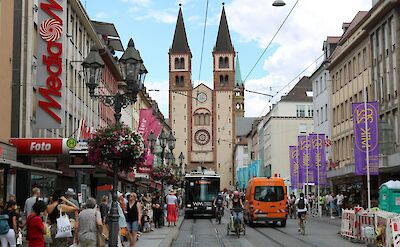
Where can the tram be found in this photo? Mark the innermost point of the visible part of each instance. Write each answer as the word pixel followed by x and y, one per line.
pixel 201 188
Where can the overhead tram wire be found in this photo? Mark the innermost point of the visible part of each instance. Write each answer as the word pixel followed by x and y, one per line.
pixel 270 42
pixel 287 84
pixel 202 43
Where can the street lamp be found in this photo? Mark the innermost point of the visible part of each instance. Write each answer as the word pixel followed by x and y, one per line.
pixel 278 3
pixel 133 73
pixel 151 140
pixel 171 141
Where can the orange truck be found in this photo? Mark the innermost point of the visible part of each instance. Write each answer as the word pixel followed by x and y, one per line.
pixel 265 201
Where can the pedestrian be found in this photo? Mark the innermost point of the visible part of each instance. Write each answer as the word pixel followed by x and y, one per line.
pixel 146 221
pixel 69 195
pixel 172 204
pixel 330 204
pixel 133 217
pixel 59 203
pixel 31 200
pixel 339 203
pixel 8 225
pixel 90 224
pixel 147 205
pixel 104 209
pixel 157 210
pixel 34 225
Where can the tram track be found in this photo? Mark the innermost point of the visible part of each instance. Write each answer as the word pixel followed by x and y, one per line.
pixel 286 234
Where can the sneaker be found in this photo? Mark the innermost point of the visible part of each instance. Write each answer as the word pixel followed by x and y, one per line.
pixel 332 217
pixel 299 229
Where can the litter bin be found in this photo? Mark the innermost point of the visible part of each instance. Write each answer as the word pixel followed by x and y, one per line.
pixel 389 196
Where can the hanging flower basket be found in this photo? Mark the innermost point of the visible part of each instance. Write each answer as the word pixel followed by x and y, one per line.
pixel 117 142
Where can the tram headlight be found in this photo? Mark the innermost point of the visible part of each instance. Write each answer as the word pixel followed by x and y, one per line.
pixel 188 206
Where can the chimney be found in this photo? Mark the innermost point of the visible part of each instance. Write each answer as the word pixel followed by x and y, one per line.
pixel 345 26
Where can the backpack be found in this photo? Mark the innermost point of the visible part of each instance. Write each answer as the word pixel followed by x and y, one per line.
pixel 4 226
pixel 301 204
pixel 219 200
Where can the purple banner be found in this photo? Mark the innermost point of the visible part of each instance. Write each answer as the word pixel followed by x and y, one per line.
pixel 304 160
pixel 365 122
pixel 317 142
pixel 294 167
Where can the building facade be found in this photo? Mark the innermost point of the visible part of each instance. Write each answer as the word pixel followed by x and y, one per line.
pixel 321 95
pixel 290 117
pixel 350 72
pixel 203 119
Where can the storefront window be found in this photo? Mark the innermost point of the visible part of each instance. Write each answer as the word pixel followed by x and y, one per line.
pixel 46 183
pixel 2 187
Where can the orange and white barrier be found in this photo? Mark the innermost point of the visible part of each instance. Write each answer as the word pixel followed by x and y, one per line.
pixel 347 229
pixel 384 220
pixel 395 226
pixel 365 223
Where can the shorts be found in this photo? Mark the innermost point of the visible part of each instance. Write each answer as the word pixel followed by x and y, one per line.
pixel 133 226
pixel 299 214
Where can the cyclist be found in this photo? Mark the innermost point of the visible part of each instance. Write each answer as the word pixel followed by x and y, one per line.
pixel 219 203
pixel 237 208
pixel 301 204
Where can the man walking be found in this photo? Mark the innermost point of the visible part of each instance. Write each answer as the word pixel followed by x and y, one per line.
pixel 339 202
pixel 31 200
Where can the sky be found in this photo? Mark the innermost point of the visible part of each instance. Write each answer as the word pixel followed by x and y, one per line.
pixel 252 24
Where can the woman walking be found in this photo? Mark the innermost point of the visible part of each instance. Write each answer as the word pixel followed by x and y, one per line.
pixel 11 215
pixel 172 204
pixel 157 210
pixel 90 224
pixel 133 217
pixel 35 226
pixel 59 203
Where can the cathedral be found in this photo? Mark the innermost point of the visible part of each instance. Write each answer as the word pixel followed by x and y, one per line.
pixel 203 118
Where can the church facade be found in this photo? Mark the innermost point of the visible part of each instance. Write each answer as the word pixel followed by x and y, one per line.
pixel 203 118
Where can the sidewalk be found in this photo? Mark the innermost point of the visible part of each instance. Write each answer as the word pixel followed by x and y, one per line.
pixel 160 237
pixel 327 219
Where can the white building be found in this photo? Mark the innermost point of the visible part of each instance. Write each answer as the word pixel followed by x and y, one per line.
pixel 321 93
pixel 289 118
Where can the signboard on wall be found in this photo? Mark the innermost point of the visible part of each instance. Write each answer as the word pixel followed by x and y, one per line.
pixel 50 66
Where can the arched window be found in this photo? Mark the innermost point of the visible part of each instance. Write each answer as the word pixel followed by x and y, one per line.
pixel 202 119
pixel 221 80
pixel 226 62
pixel 226 79
pixel 176 63
pixel 182 63
pixel 237 93
pixel 237 106
pixel 221 62
pixel 179 81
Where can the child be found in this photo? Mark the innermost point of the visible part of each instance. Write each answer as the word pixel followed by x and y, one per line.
pixel 146 221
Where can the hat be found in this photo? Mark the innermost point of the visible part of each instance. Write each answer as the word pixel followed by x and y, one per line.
pixel 171 191
pixel 127 194
pixel 119 194
pixel 70 192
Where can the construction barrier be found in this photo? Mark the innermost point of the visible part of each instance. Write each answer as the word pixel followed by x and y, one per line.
pixel 383 229
pixel 348 225
pixel 365 223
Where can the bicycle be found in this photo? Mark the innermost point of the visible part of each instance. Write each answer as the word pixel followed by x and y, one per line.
pixel 218 215
pixel 302 224
pixel 236 226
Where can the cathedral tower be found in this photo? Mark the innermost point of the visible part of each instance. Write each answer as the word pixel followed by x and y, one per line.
pixel 239 90
pixel 224 99
pixel 180 88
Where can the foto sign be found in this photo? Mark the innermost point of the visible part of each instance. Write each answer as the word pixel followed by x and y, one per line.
pixel 40 146
pixel 50 69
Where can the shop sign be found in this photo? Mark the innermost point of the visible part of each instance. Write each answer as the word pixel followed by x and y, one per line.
pixel 40 146
pixel 50 73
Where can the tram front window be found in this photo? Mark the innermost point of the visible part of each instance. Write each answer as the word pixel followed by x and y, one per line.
pixel 202 190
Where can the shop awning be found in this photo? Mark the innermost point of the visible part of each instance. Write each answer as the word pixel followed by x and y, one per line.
pixel 19 165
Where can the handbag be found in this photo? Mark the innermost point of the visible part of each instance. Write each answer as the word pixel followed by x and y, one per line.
pixel 101 235
pixel 63 226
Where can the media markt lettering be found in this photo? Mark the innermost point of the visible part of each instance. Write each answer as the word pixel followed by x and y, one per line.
pixel 53 61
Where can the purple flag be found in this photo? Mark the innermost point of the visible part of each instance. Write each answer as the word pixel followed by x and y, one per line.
pixel 294 167
pixel 304 160
pixel 317 142
pixel 366 137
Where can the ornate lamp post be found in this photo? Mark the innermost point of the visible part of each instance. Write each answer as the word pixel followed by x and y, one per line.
pixel 133 73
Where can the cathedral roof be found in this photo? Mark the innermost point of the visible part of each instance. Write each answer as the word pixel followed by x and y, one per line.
pixel 180 43
pixel 238 76
pixel 224 43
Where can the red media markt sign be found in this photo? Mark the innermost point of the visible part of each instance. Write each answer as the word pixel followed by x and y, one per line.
pixel 40 146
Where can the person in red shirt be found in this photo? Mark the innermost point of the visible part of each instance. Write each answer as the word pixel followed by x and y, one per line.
pixel 35 226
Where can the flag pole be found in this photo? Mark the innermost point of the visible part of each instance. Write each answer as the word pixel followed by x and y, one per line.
pixel 367 146
pixel 318 164
pixel 307 165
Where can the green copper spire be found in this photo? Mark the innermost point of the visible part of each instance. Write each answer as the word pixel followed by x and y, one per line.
pixel 238 75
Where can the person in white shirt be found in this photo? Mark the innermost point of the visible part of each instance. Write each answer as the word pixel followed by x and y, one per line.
pixel 330 204
pixel 301 205
pixel 339 202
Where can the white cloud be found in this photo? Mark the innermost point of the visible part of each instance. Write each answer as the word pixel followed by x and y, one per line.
pixel 143 3
pixel 159 16
pixel 101 15
pixel 299 41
